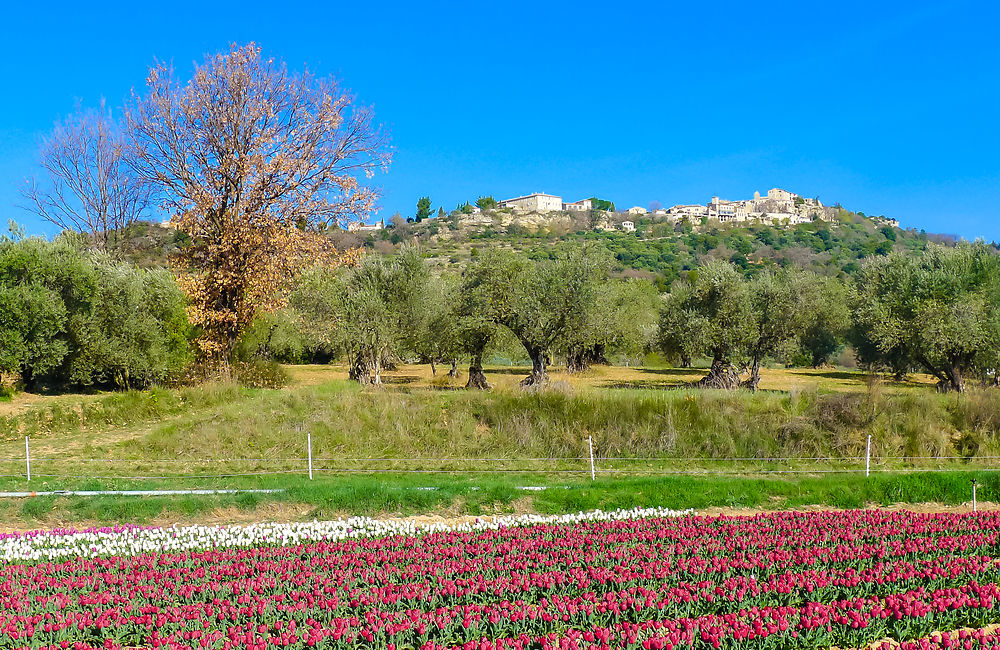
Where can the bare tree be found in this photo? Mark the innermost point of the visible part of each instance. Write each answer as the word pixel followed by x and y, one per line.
pixel 251 160
pixel 91 188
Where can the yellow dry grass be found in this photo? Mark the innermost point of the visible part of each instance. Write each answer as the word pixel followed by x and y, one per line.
pixel 777 379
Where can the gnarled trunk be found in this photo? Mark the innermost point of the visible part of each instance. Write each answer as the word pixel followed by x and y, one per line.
pixel 477 378
pixel 949 376
pixel 367 372
pixel 580 359
pixel 952 379
pixel 720 375
pixel 753 380
pixel 453 373
pixel 538 376
pixel 576 361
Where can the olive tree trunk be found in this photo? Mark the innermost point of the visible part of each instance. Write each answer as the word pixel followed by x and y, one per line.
pixel 950 375
pixel 366 371
pixel 477 378
pixel 720 375
pixel 952 380
pixel 576 361
pixel 538 376
pixel 753 380
pixel 580 359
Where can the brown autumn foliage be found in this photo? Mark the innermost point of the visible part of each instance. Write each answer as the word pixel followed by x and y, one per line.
pixel 253 162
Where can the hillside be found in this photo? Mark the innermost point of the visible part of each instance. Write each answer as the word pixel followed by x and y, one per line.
pixel 658 249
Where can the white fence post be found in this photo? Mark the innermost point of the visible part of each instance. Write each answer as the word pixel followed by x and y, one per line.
pixel 973 495
pixel 309 443
pixel 868 456
pixel 27 457
pixel 590 443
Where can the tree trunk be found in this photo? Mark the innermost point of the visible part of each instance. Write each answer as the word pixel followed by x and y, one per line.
pixel 538 376
pixel 576 361
pixel 477 378
pixel 753 380
pixel 685 360
pixel 720 375
pixel 433 368
pixel 953 380
pixel 580 359
pixel 367 372
pixel 453 373
pixel 949 377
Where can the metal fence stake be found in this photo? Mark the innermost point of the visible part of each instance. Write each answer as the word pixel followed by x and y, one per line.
pixel 868 457
pixel 590 443
pixel 309 443
pixel 27 457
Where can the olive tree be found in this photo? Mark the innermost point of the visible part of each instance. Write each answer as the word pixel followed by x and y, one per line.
pixel 379 300
pixel 941 309
pixel 539 301
pixel 826 317
pixel 435 333
pixel 71 318
pixel 483 300
pixel 551 301
pixel 777 316
pixel 135 332
pixel 710 312
pixel 621 320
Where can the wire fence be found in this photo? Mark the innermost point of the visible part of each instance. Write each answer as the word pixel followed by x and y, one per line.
pixel 67 467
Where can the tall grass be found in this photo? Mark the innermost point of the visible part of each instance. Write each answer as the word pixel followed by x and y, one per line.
pixel 116 410
pixel 221 420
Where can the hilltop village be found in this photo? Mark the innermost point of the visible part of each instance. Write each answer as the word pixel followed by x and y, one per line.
pixel 778 207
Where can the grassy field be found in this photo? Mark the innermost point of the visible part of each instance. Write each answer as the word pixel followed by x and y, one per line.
pixel 449 495
pixel 477 450
pixel 619 377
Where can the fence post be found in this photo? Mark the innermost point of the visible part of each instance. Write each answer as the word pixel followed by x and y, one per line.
pixel 973 495
pixel 309 443
pixel 590 443
pixel 868 456
pixel 27 457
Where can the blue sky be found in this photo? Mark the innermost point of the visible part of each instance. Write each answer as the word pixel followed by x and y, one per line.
pixel 889 108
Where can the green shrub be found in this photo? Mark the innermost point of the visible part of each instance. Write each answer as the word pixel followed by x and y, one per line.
pixel 259 373
pixel 71 319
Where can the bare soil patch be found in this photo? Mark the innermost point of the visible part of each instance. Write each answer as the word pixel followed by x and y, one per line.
pixel 284 512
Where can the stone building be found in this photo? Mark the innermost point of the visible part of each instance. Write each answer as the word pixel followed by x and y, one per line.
pixel 537 202
pixel 578 206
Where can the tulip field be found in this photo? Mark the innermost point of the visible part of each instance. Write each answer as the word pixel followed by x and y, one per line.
pixel 624 579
